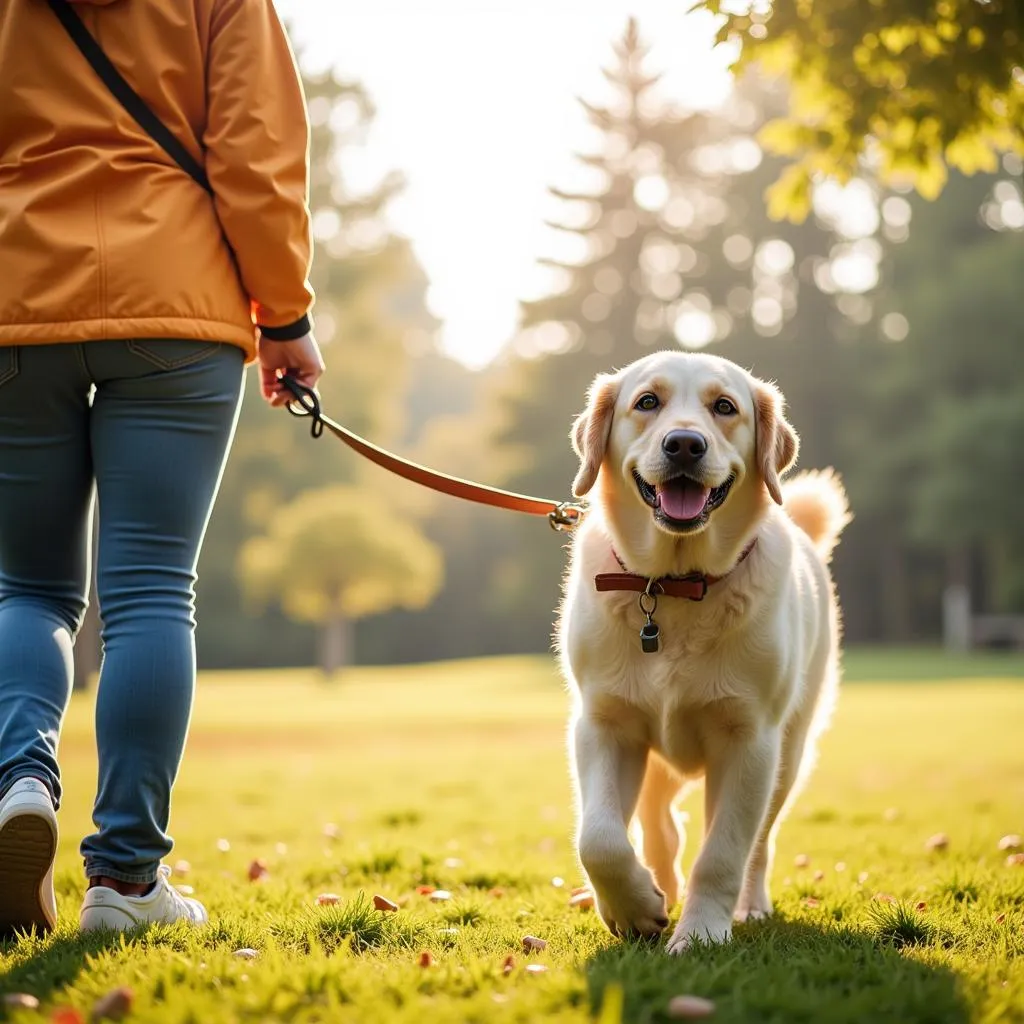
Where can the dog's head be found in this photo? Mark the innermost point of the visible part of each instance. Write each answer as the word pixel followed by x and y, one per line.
pixel 684 440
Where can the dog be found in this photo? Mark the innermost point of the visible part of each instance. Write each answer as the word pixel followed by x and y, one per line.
pixel 734 677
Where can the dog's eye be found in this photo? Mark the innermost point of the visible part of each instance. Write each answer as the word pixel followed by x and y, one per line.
pixel 647 402
pixel 723 407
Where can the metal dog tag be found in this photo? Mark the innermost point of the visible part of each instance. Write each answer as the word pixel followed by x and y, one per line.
pixel 649 637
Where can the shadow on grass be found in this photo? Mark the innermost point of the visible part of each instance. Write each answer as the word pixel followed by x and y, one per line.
pixel 43 966
pixel 783 971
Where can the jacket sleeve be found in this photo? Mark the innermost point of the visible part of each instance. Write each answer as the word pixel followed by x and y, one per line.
pixel 257 145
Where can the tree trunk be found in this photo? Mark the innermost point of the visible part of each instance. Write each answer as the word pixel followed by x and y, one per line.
pixel 895 596
pixel 335 642
pixel 87 643
pixel 956 601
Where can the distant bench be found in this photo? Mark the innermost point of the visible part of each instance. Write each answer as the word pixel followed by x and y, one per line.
pixel 998 632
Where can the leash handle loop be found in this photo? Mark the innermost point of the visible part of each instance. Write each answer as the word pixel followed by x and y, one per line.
pixel 304 402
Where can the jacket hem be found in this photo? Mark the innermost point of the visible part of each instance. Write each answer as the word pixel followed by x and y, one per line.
pixel 73 331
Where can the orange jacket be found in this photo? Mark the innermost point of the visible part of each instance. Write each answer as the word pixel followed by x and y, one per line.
pixel 102 235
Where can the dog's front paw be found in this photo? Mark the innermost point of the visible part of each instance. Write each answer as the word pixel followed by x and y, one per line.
pixel 707 926
pixel 634 907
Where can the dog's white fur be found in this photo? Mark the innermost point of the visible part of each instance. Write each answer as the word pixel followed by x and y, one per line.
pixel 744 680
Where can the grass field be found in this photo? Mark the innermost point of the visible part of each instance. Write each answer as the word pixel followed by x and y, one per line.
pixel 455 776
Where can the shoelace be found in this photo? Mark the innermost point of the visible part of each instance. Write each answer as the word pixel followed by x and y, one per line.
pixel 180 903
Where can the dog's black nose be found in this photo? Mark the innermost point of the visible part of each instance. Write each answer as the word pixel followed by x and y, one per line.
pixel 684 447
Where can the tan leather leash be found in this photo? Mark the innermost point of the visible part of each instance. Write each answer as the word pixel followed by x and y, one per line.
pixel 561 515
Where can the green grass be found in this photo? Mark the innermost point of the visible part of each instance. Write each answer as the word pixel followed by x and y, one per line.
pixel 455 776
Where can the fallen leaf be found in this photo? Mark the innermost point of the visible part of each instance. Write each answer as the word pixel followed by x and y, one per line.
pixel 579 889
pixel 863 877
pixel 258 870
pixel 690 1008
pixel 182 867
pixel 921 905
pixel 424 890
pixel 114 1005
pixel 532 944
pixel 801 860
pixel 426 959
pixel 810 901
pixel 819 875
pixel 1015 860
pixel 536 968
pixel 21 1001
pixel 496 893
pixel 383 903
pixel 331 830
pixel 1000 918
pixel 66 1015
pixel 840 865
pixel 440 896
pixel 582 901
pixel 246 953
pixel 884 897
pixel 939 841
pixel 509 965
pixel 328 899
pixel 1011 842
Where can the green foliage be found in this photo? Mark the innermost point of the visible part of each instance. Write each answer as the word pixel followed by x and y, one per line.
pixel 335 550
pixel 275 757
pixel 909 86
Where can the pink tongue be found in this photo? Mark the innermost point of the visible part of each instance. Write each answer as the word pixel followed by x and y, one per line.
pixel 682 499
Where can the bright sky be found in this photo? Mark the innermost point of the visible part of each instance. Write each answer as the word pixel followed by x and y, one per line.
pixel 475 106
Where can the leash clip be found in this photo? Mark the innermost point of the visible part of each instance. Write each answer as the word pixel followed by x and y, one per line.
pixel 565 516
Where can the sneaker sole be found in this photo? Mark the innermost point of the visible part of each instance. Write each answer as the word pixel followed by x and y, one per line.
pixel 27 848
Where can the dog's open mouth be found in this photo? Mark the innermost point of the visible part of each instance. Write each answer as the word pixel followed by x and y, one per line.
pixel 682 503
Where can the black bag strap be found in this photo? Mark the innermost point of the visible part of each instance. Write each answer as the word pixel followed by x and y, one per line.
pixel 125 94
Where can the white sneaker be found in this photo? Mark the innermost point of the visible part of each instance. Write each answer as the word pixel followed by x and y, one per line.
pixel 105 908
pixel 28 845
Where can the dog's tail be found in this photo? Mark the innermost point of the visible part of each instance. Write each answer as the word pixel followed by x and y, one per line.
pixel 816 501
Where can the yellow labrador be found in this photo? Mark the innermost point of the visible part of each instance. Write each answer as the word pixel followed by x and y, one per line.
pixel 700 632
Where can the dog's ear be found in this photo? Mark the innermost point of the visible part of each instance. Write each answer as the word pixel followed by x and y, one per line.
pixel 592 429
pixel 777 443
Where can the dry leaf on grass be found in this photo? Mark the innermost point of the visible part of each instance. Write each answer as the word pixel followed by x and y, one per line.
pixel 383 903
pixel 801 860
pixel 426 959
pixel 21 1001
pixel 1015 860
pixel 690 1008
pixel 509 965
pixel 328 899
pixel 114 1005
pixel 258 870
pixel 582 901
pixel 66 1015
pixel 246 953
pixel 532 944
pixel 1011 842
pixel 939 841
pixel 536 968
pixel 440 896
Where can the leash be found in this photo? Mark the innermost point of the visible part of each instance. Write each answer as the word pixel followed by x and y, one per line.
pixel 561 515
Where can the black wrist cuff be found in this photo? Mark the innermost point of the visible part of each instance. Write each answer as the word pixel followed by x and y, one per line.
pixel 288 332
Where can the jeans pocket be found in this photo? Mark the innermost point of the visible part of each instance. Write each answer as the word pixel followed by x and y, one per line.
pixel 10 363
pixel 172 353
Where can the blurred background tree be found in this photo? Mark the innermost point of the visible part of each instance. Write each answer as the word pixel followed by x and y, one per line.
pixel 909 87
pixel 890 322
pixel 333 556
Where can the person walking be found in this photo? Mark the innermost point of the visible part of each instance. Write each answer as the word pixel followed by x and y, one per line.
pixel 131 299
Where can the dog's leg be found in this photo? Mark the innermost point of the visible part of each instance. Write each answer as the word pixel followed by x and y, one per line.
pixel 740 775
pixel 663 831
pixel 755 901
pixel 610 769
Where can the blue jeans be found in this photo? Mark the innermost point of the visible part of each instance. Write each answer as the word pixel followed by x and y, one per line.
pixel 148 423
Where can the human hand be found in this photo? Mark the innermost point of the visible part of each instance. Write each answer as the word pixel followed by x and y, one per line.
pixel 300 358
